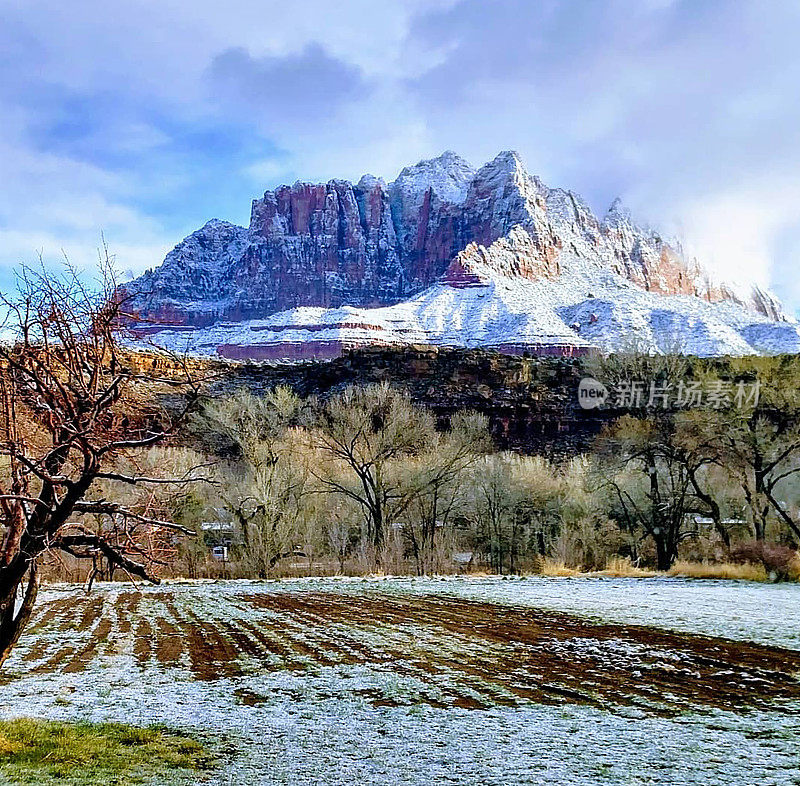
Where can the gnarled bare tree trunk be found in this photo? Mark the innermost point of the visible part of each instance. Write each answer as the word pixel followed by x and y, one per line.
pixel 72 404
pixel 13 616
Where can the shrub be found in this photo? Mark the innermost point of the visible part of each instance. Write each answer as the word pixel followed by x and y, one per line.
pixel 622 567
pixel 544 566
pixel 743 571
pixel 779 562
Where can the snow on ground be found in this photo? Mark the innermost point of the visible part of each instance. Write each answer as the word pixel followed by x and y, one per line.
pixel 337 694
pixel 582 308
pixel 762 613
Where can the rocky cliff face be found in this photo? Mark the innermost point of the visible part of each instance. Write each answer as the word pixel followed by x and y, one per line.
pixel 373 244
pixel 531 404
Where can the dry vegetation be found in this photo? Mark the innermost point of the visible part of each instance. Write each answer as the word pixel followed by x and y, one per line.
pixel 746 571
pixel 384 491
pixel 367 482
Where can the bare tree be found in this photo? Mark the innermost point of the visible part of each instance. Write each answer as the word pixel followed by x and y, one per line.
pixel 435 481
pixel 750 441
pixel 341 529
pixel 651 475
pixel 383 452
pixel 72 404
pixel 760 444
pixel 517 505
pixel 267 489
pixel 365 430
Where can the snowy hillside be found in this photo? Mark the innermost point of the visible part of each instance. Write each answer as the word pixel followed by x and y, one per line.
pixel 569 315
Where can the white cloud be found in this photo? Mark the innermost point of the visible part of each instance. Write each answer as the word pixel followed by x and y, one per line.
pixel 689 110
pixel 734 231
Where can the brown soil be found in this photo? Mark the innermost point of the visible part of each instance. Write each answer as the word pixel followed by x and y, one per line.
pixel 142 647
pixel 211 652
pixel 503 652
pixel 168 642
pixel 99 636
pixel 127 603
pixel 456 653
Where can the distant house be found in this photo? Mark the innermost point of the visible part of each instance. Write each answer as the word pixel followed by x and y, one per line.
pixel 706 521
pixel 218 528
pixel 219 537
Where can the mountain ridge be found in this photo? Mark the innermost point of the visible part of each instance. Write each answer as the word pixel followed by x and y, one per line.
pixel 441 222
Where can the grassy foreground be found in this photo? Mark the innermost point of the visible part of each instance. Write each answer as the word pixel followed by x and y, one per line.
pixel 79 754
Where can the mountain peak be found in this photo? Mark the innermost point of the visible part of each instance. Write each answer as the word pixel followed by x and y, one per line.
pixel 507 161
pixel 365 244
pixel 215 223
pixel 369 182
pixel 446 160
pixel 450 156
pixel 448 175
pixel 509 157
pixel 506 167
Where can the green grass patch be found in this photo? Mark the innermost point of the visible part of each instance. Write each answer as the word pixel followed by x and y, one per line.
pixel 112 754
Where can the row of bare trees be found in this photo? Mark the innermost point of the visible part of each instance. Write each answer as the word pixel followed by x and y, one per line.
pixel 734 465
pixel 368 466
pixel 368 459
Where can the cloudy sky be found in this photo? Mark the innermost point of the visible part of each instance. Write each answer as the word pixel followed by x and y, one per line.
pixel 142 119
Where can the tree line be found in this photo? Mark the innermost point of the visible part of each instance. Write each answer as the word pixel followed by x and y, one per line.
pixel 368 479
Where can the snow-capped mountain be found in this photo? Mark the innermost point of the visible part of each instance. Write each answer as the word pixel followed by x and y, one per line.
pixel 443 255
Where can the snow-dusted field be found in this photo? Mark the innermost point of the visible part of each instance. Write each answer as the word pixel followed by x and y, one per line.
pixel 468 681
pixel 763 613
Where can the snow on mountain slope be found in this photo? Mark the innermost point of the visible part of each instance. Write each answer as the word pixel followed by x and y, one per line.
pixel 507 313
pixel 448 175
pixel 192 277
pixel 372 244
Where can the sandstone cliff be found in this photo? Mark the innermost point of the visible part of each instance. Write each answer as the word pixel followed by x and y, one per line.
pixel 373 244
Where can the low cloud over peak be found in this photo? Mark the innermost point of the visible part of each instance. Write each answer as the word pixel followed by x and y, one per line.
pixel 303 87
